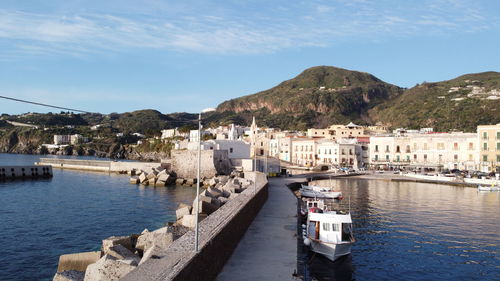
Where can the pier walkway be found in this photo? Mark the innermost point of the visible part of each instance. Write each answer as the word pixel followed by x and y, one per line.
pixel 268 250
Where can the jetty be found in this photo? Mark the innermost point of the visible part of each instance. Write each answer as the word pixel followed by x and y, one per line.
pixel 25 172
pixel 97 165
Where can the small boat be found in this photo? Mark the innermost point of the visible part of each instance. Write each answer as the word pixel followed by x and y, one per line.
pixel 329 233
pixel 488 188
pixel 308 203
pixel 314 191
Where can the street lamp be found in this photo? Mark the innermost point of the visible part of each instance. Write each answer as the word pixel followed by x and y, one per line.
pixel 196 234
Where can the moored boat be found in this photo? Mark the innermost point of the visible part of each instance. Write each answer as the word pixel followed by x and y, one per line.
pixel 488 188
pixel 329 233
pixel 319 192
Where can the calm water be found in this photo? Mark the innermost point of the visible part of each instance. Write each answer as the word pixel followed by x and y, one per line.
pixel 416 231
pixel 72 212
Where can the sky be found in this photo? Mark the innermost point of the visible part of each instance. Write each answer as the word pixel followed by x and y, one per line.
pixel 184 56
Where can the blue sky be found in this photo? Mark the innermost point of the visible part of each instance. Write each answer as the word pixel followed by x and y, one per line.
pixel 175 56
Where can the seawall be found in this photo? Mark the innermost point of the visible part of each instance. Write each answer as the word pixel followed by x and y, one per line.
pixel 97 165
pixel 25 172
pixel 219 235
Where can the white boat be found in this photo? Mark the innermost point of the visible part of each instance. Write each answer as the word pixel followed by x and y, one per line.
pixel 314 191
pixel 488 188
pixel 329 233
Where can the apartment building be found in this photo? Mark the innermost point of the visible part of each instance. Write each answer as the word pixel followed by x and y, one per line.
pixel 488 138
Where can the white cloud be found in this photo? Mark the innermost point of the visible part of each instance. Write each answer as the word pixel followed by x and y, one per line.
pixel 231 31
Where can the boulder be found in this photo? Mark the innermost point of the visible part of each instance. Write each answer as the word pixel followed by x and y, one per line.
pixel 166 178
pixel 206 205
pixel 143 177
pixel 152 252
pixel 69 275
pixel 215 192
pixel 223 200
pixel 134 180
pixel 122 253
pixel 190 181
pixel 180 181
pixel 182 211
pixel 212 182
pixel 152 181
pixel 162 237
pixel 107 268
pixel 151 176
pixel 125 241
pixel 223 179
pixel 131 172
pixel 190 220
pixel 160 183
pixel 78 261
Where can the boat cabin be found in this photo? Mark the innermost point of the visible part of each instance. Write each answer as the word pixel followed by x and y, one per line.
pixel 330 227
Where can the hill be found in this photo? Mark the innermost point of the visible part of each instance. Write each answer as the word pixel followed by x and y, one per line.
pixel 317 97
pixel 461 103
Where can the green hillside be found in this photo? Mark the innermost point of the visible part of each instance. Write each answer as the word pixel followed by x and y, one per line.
pixel 317 97
pixel 461 103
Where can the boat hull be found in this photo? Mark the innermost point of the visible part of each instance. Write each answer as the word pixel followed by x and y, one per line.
pixel 331 251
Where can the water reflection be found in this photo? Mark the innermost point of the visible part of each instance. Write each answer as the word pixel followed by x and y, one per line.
pixel 415 231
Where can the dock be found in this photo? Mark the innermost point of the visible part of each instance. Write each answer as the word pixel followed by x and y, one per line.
pixel 268 250
pixel 98 165
pixel 25 172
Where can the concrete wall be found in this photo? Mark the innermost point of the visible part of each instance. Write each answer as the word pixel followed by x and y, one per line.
pixel 219 235
pixel 97 165
pixel 185 163
pixel 29 171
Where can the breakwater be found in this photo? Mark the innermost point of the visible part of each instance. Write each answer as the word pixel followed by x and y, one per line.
pixel 25 172
pixel 219 235
pixel 97 165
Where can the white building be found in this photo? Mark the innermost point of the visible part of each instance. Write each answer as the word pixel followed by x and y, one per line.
pixel 170 133
pixel 425 150
pixel 236 149
pixel 68 139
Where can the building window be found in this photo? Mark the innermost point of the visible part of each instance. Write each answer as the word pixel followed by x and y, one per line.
pixel 386 148
pixel 498 158
pixel 455 146
pixel 471 146
pixel 376 148
pixel 485 146
pixel 408 149
pixel 376 157
pixel 408 158
pixel 498 135
pixel 397 149
pixel 425 157
pixel 415 157
pixel 485 158
pixel 387 157
pixel 440 146
pixel 485 135
pixel 335 227
pixel 455 157
pixel 230 150
pixel 262 152
pixel 425 146
pixel 498 146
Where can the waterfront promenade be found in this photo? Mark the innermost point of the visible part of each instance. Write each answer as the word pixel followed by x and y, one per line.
pixel 268 250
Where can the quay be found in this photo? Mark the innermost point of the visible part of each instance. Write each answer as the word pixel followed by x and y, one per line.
pixel 97 165
pixel 25 172
pixel 268 250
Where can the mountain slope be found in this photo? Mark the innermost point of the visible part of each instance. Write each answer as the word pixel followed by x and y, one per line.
pixel 317 97
pixel 461 103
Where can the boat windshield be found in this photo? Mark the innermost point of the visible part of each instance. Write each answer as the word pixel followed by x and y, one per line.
pixel 347 232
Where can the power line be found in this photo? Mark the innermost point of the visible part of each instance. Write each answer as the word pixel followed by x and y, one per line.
pixel 46 105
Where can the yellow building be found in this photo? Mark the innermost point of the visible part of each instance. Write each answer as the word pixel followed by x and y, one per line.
pixel 489 147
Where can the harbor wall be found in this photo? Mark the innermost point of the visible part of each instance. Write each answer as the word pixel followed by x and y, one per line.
pixel 213 162
pixel 97 165
pixel 220 233
pixel 25 172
